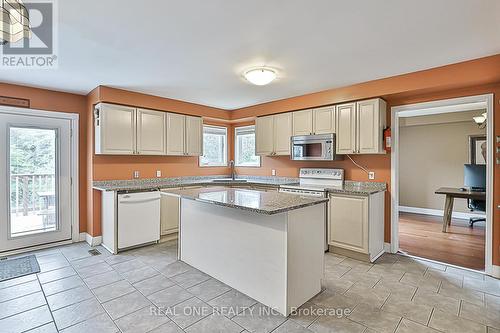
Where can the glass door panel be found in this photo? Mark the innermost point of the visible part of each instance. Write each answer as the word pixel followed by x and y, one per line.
pixel 33 175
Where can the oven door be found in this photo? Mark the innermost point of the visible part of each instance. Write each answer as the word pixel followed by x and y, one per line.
pixel 313 147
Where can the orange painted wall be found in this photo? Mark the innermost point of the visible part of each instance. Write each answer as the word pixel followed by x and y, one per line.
pixel 62 102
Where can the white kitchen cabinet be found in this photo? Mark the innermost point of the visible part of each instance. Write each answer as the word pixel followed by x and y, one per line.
pixel 175 134
pixel 184 135
pixel 194 136
pixel 264 135
pixel 273 134
pixel 303 122
pixel 314 121
pixel 115 132
pixel 169 213
pixel 324 120
pixel 282 133
pixel 359 127
pixel 150 132
pixel 371 115
pixel 346 128
pixel 356 225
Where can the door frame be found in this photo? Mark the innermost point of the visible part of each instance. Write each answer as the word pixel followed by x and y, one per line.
pixel 436 107
pixel 74 166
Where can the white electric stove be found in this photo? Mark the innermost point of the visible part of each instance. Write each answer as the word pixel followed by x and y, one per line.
pixel 314 182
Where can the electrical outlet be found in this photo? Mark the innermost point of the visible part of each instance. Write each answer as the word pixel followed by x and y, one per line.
pixel 158 173
pixel 136 174
pixel 273 172
pixel 371 175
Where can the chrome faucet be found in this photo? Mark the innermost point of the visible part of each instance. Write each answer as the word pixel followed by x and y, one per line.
pixel 231 165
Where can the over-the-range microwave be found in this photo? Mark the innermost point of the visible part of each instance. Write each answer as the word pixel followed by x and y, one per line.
pixel 313 147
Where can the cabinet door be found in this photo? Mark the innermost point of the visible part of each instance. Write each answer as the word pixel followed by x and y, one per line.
pixel 150 132
pixel 346 128
pixel 264 130
pixel 194 136
pixel 371 123
pixel 303 122
pixel 169 214
pixel 175 134
pixel 348 226
pixel 282 133
pixel 115 130
pixel 324 120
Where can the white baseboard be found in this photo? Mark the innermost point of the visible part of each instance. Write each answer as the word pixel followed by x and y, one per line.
pixel 387 247
pixel 92 241
pixel 495 271
pixel 438 212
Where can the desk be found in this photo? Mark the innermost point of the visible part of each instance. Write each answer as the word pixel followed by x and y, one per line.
pixel 452 193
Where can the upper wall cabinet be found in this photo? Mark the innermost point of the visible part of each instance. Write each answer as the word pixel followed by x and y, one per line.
pixel 150 132
pixel 359 127
pixel 123 130
pixel 184 135
pixel 114 129
pixel 176 134
pixel 315 121
pixel 273 134
pixel 194 136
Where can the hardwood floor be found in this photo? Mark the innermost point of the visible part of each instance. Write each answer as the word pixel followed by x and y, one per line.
pixel 421 235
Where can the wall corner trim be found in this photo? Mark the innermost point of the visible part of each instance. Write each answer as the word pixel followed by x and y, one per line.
pixel 92 241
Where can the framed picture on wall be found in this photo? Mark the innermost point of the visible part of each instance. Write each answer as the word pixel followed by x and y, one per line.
pixel 477 149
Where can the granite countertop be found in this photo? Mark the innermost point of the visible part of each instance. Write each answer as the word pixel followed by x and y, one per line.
pixel 163 183
pixel 359 188
pixel 268 203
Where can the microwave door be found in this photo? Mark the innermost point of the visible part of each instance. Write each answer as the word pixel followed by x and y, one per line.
pixel 309 150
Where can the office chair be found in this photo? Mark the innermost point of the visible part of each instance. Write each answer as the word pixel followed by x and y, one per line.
pixel 476 205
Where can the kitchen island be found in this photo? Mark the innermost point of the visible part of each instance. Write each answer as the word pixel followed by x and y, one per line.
pixel 267 245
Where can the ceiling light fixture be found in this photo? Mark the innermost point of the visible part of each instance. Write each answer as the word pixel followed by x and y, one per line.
pixel 480 120
pixel 14 21
pixel 260 76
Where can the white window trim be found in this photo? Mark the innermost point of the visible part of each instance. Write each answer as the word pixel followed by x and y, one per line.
pixel 236 149
pixel 225 164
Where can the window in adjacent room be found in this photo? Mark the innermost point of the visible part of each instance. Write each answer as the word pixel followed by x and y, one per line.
pixel 244 142
pixel 214 146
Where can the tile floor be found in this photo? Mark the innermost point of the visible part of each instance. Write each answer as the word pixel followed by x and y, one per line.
pixel 148 290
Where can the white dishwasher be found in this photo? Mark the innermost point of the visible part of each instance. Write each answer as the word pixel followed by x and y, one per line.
pixel 138 218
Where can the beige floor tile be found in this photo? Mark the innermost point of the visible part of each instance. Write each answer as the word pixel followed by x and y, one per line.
pixel 188 312
pixel 332 324
pixel 465 272
pixel 381 321
pixel 215 323
pixel 488 286
pixel 445 303
pixel 232 303
pixel 419 313
pixel 397 289
pixel 259 319
pixel 424 282
pixel 469 295
pixel 480 314
pixel 408 326
pixel 306 314
pixel 143 320
pixel 336 285
pixel 329 299
pixel 492 301
pixel 372 296
pixel 446 322
pixel 336 271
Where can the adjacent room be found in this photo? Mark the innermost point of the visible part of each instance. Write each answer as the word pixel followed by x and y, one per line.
pixel 439 151
pixel 249 166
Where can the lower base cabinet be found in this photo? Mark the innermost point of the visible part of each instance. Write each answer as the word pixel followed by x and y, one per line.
pixel 356 225
pixel 169 213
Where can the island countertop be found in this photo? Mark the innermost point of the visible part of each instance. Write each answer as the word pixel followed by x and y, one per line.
pixel 268 203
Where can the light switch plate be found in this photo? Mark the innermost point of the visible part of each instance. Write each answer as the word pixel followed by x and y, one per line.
pixel 371 175
pixel 273 172
pixel 158 173
pixel 136 174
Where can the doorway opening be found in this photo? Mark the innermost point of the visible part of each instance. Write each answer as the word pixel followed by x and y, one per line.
pixel 442 181
pixel 38 171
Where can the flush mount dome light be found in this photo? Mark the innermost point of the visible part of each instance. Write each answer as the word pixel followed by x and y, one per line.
pixel 260 76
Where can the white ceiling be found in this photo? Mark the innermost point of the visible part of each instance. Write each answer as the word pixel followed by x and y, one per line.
pixel 196 50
